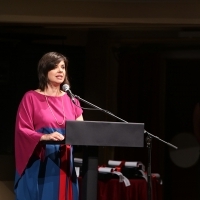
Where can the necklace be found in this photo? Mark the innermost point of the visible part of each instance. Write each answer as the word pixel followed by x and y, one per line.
pixel 53 113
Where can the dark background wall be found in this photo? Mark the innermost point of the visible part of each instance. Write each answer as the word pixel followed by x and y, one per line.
pixel 141 65
pixel 182 94
pixel 139 94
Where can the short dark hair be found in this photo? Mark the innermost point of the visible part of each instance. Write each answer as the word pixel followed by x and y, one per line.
pixel 46 64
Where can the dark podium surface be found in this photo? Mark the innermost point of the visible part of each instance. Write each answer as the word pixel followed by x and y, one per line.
pixel 92 134
pixel 96 133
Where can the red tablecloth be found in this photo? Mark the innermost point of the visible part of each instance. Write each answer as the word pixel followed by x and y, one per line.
pixel 112 189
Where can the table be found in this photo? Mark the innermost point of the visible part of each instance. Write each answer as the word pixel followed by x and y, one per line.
pixel 112 189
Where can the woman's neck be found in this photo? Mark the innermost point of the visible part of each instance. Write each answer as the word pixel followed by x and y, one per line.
pixel 52 91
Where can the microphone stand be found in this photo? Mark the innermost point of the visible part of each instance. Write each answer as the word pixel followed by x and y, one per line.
pixel 148 141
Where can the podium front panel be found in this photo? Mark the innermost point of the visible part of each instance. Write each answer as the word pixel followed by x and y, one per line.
pixel 98 133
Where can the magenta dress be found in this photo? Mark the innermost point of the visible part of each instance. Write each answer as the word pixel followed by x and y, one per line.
pixel 44 171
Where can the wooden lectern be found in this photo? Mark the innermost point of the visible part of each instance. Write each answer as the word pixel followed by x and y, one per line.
pixel 92 134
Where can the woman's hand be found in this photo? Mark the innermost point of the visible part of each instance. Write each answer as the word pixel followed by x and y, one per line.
pixel 80 118
pixel 55 136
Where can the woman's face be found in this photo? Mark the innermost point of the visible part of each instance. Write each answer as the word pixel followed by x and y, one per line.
pixel 57 75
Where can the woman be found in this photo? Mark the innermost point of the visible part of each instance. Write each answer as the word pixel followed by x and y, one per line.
pixel 46 171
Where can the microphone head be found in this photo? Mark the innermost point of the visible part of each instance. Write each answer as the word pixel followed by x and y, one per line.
pixel 65 87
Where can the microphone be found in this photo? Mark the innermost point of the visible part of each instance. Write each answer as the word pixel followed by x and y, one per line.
pixel 66 89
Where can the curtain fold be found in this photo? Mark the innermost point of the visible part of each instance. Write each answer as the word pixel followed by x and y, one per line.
pixel 139 99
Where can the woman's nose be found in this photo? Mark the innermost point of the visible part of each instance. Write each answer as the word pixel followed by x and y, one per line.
pixel 61 69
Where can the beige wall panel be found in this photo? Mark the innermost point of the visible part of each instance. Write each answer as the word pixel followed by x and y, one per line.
pixel 99 12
